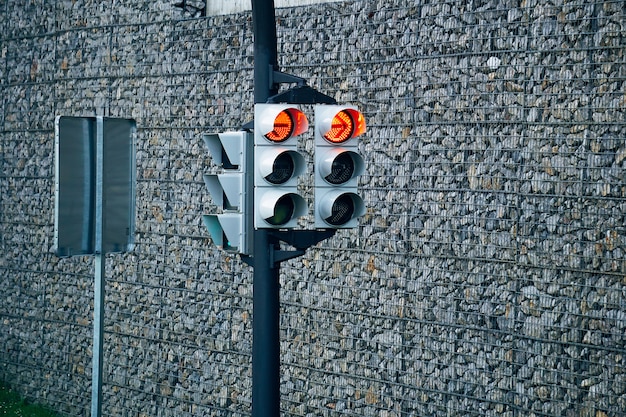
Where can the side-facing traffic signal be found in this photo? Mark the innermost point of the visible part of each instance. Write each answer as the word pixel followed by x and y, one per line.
pixel 277 165
pixel 337 166
pixel 231 190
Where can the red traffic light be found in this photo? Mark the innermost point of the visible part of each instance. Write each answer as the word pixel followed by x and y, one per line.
pixel 283 125
pixel 277 165
pixel 345 124
pixel 338 165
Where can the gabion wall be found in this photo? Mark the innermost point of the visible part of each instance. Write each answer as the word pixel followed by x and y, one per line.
pixel 487 277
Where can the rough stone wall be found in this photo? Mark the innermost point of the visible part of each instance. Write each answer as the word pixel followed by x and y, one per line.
pixel 487 277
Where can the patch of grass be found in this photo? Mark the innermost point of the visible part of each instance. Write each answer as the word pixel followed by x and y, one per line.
pixel 12 405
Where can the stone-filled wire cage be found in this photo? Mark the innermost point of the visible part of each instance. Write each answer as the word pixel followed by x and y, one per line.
pixel 488 276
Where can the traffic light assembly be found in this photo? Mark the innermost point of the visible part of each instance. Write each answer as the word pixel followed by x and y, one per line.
pixel 337 166
pixel 336 202
pixel 277 166
pixel 257 186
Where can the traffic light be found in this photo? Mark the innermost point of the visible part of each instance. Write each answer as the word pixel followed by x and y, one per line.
pixel 231 191
pixel 277 165
pixel 337 166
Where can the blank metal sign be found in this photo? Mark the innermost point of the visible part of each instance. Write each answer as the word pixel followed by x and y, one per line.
pixel 88 149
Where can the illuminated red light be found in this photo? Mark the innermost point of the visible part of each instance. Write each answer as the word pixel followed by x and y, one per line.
pixel 345 124
pixel 283 127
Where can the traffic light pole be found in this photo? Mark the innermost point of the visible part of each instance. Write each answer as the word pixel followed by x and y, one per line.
pixel 265 287
pixel 267 251
pixel 265 329
pixel 265 49
pixel 266 310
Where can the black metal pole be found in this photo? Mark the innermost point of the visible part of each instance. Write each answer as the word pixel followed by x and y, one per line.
pixel 265 49
pixel 266 296
pixel 265 329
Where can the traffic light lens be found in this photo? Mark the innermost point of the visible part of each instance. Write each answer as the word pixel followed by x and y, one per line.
pixel 342 169
pixel 342 210
pixel 283 211
pixel 283 127
pixel 282 169
pixel 341 128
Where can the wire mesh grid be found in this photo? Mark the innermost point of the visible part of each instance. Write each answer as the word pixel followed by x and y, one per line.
pixel 495 147
pixel 487 276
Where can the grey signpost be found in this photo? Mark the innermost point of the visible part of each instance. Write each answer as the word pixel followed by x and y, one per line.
pixel 94 206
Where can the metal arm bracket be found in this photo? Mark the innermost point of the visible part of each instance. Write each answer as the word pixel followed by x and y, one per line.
pixel 302 95
pixel 302 239
pixel 278 77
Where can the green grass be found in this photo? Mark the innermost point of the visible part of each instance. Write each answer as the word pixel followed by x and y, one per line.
pixel 12 405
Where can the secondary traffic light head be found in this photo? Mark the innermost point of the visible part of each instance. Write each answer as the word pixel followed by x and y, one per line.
pixel 230 227
pixel 337 166
pixel 277 165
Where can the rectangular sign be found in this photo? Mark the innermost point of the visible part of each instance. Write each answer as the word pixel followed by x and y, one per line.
pixel 94 185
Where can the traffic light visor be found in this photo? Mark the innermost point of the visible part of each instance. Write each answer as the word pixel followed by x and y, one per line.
pixel 340 209
pixel 278 208
pixel 343 210
pixel 279 165
pixel 283 211
pixel 345 124
pixel 287 123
